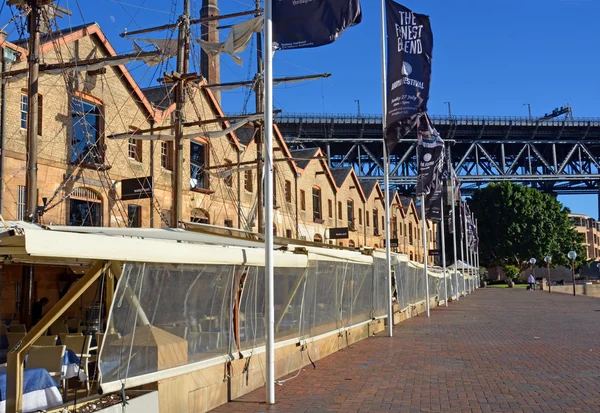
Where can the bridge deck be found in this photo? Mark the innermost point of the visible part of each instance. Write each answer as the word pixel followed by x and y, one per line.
pixel 498 350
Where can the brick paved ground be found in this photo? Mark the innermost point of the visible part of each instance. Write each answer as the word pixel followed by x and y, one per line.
pixel 499 350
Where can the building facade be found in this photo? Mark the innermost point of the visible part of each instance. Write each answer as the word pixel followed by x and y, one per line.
pixel 98 131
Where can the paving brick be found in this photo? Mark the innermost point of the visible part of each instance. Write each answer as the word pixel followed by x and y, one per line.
pixel 497 350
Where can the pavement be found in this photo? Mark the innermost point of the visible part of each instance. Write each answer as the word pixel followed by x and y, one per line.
pixel 497 350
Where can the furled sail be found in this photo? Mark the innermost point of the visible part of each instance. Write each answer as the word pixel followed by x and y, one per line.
pixel 237 40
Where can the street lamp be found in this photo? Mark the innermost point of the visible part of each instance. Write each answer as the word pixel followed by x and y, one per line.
pixel 532 262
pixel 548 258
pixel 572 255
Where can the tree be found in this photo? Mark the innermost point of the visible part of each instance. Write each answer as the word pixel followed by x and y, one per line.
pixel 517 223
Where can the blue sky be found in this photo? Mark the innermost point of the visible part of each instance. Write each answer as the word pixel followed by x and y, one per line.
pixel 490 57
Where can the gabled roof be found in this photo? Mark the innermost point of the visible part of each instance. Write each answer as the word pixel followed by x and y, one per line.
pixel 317 155
pixel 368 187
pixel 396 202
pixel 408 205
pixel 341 174
pixel 67 36
pixel 161 96
pixel 245 136
pixel 302 157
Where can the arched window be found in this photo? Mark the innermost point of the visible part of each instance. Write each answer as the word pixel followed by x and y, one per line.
pixel 411 256
pixel 85 208
pixel 351 244
pixel 200 216
pixel 318 238
pixel 375 246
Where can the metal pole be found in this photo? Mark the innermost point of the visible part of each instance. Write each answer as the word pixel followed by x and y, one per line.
pixel 467 249
pixel 573 276
pixel 462 257
pixel 32 111
pixel 443 247
pixel 3 35
pixel 386 174
pixel 424 232
pixel 182 59
pixel 549 280
pixel 259 103
pixel 268 156
pixel 453 223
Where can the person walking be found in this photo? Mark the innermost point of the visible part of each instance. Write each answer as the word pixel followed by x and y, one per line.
pixel 531 282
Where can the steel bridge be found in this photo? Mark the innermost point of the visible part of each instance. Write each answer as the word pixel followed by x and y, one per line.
pixel 558 156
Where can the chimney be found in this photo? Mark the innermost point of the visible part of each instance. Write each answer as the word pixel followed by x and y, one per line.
pixel 210 66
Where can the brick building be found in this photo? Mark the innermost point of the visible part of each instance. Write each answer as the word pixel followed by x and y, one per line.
pixel 81 168
pixel 590 229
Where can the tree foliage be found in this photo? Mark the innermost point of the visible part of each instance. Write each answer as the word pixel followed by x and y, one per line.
pixel 517 223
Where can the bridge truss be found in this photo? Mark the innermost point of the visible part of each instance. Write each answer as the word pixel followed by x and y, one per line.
pixel 560 156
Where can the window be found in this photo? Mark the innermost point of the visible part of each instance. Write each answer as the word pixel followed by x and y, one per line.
pixel 248 182
pixel 410 233
pixel 359 216
pixel 134 216
pixel 200 216
pixel 350 207
pixel 318 238
pixel 228 223
pixel 25 109
pixel 302 200
pixel 166 155
pixel 198 163
pixel 368 220
pixel 21 203
pixel 339 210
pixel 134 149
pixel 400 229
pixel 383 222
pixel 394 233
pixel 330 208
pixel 288 233
pixel 228 179
pixel 86 139
pixel 375 222
pixel 85 208
pixel 316 195
pixel 351 244
pixel 288 191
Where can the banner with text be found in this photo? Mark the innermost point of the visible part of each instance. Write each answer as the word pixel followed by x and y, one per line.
pixel 430 180
pixel 301 24
pixel 409 50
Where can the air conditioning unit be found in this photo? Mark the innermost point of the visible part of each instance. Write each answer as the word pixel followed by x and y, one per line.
pixel 302 238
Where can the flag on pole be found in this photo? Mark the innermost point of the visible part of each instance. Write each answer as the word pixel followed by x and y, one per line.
pixel 299 24
pixel 410 48
pixel 431 167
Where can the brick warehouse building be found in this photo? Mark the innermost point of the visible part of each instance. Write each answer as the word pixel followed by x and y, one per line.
pixel 80 169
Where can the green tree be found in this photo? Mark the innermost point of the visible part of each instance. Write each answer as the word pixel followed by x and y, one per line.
pixel 517 223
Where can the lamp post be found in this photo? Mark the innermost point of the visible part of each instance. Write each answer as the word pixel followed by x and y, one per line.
pixel 572 255
pixel 532 262
pixel 548 259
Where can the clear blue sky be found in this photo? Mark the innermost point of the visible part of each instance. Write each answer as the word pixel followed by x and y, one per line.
pixel 490 57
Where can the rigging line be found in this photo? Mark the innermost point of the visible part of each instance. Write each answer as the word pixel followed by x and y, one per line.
pixel 140 7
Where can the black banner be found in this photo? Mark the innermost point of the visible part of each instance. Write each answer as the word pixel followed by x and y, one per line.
pixel 433 207
pixel 410 48
pixel 136 188
pixel 301 24
pixel 338 233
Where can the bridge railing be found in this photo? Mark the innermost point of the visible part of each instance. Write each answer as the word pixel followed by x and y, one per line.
pixel 327 118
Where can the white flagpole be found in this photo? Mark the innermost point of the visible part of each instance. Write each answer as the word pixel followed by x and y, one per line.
pixel 268 191
pixel 443 247
pixel 477 250
pixel 454 225
pixel 386 175
pixel 467 252
pixel 424 232
pixel 462 257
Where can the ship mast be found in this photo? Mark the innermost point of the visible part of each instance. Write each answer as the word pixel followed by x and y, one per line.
pixel 183 46
pixel 259 102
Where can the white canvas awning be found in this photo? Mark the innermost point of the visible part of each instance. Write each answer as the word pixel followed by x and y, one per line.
pixel 459 263
pixel 28 243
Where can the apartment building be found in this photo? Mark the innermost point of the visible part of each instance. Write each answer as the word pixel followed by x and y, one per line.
pixel 590 229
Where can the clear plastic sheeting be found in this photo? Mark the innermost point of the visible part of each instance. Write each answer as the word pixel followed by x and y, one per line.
pixel 167 316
